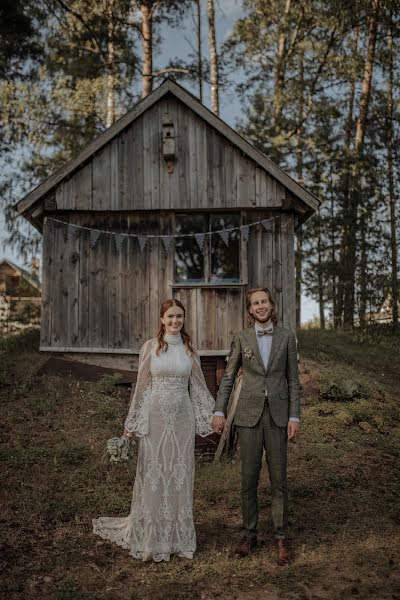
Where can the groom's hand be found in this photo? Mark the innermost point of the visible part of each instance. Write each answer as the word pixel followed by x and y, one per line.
pixel 218 424
pixel 292 429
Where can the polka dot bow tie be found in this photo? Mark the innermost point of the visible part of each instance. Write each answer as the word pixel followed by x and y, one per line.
pixel 267 331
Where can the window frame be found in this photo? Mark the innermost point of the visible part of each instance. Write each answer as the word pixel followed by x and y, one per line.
pixel 243 275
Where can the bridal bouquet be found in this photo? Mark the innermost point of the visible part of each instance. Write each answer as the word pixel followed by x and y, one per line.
pixel 120 449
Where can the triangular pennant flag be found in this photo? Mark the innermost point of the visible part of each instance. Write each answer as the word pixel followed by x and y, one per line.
pixel 119 239
pixel 200 239
pixel 167 241
pixel 142 239
pixel 94 236
pixel 71 230
pixel 224 234
pixel 245 231
pixel 267 224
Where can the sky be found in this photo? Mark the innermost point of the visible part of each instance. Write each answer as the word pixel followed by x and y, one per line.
pixel 177 43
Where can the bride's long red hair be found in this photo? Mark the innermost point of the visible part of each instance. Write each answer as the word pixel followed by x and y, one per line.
pixel 162 344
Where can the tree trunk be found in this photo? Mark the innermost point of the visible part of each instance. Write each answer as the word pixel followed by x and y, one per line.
pixel 363 270
pixel 280 66
pixel 213 58
pixel 392 197
pixel 199 51
pixel 321 299
pixel 300 178
pixel 147 35
pixel 339 303
pixel 110 117
pixel 349 263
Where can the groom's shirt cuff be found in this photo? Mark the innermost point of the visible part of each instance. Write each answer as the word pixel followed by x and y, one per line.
pixel 295 419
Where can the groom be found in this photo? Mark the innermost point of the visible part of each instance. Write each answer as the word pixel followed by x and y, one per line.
pixel 267 413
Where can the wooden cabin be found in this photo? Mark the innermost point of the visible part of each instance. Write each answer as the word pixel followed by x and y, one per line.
pixel 19 296
pixel 166 174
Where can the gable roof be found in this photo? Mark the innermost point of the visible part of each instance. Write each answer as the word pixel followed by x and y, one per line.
pixel 168 86
pixel 19 271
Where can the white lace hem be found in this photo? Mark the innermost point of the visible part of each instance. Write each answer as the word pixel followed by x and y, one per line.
pixel 117 537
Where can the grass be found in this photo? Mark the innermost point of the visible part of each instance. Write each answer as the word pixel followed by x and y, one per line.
pixel 343 477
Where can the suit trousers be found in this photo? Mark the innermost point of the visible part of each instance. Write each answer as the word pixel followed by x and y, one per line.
pixel 253 440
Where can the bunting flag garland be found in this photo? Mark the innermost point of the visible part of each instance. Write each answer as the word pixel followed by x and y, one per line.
pixel 267 224
pixel 245 231
pixel 224 235
pixel 119 239
pixel 94 236
pixel 142 239
pixel 200 239
pixel 71 230
pixel 167 241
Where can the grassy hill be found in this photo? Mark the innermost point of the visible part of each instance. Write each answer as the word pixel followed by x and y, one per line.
pixel 344 482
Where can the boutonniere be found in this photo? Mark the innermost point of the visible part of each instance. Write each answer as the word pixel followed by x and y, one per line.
pixel 247 353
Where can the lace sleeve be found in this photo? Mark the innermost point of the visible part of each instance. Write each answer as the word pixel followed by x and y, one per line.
pixel 202 400
pixel 137 421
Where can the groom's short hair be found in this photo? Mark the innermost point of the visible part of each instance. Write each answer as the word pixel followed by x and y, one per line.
pixel 274 314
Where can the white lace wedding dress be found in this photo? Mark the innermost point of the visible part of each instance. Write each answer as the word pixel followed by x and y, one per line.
pixel 170 404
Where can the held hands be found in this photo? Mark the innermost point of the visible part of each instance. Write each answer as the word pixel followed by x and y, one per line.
pixel 218 424
pixel 128 434
pixel 292 429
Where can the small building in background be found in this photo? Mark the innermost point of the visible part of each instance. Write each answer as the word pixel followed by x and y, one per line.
pixel 20 296
pixel 168 202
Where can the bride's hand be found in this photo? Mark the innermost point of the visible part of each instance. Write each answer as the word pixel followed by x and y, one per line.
pixel 128 434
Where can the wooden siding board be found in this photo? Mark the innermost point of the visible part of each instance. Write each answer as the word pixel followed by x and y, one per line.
pixel 192 174
pixel 230 176
pixel 288 273
pixel 155 157
pixel 114 175
pixel 277 262
pixel 174 199
pixel 137 167
pixel 102 180
pixel 113 294
pixel 81 198
pixel 47 285
pixel 84 299
pixel 212 201
pixel 201 158
pixel 183 153
pixel 60 290
pixel 73 267
pixel 147 173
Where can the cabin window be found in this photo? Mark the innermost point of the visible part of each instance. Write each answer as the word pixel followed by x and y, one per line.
pixel 218 263
pixel 189 260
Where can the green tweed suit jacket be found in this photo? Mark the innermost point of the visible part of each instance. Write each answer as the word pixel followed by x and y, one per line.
pixel 280 378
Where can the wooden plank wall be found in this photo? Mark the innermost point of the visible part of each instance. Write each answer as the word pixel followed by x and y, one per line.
pixel 101 298
pixel 106 300
pixel 130 173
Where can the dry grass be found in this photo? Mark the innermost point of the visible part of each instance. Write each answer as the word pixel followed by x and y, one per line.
pixel 344 491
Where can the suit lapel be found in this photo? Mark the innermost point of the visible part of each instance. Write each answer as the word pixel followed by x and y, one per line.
pixel 251 337
pixel 277 338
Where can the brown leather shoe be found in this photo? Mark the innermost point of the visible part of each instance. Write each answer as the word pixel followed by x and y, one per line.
pixel 283 553
pixel 245 546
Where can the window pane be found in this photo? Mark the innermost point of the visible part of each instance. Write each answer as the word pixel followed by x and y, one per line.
pixel 189 261
pixel 225 259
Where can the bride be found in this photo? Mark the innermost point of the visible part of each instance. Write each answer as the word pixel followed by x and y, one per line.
pixel 170 404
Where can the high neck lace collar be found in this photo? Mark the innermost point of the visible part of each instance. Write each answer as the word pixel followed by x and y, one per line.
pixel 173 339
